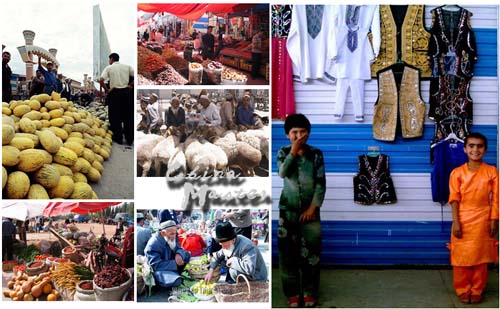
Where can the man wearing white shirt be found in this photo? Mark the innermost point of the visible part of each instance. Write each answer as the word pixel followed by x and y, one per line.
pixel 209 112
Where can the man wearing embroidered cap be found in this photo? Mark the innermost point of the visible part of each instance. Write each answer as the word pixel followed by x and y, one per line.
pixel 239 253
pixel 166 256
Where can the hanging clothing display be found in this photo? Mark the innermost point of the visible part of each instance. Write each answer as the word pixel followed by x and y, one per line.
pixel 403 37
pixel 309 42
pixel 353 53
pixel 373 183
pixel 452 51
pixel 447 156
pixel 407 100
pixel 283 98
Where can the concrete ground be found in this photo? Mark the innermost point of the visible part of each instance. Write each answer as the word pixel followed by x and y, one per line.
pixel 117 181
pixel 389 288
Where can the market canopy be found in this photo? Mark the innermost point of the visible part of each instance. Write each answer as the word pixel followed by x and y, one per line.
pixel 60 208
pixel 22 210
pixel 194 11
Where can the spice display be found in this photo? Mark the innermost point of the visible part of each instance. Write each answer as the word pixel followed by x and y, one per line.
pixel 195 73
pixel 170 77
pixel 214 72
pixel 144 81
pixel 233 76
pixel 86 285
pixel 177 63
pixel 111 276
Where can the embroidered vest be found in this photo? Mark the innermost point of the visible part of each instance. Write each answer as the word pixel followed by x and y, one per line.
pixel 373 183
pixel 452 51
pixel 411 107
pixel 414 40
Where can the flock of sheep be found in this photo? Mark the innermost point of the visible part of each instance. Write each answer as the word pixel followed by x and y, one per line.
pixel 203 152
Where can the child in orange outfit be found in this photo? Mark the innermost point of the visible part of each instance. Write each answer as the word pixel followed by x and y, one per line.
pixel 474 202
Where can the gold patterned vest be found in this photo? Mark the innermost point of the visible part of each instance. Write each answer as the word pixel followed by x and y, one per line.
pixel 410 104
pixel 414 40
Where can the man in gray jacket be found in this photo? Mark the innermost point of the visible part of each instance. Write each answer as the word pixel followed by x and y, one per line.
pixel 239 253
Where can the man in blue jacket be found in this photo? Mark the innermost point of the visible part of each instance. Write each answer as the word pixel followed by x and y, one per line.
pixel 166 256
pixel 49 76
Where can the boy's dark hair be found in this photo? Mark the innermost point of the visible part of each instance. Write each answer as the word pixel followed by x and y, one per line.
pixel 297 121
pixel 114 56
pixel 478 136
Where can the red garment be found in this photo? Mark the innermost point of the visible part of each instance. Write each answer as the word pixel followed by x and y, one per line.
pixel 194 244
pixel 283 97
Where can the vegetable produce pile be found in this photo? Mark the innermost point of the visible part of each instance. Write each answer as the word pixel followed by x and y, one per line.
pixel 28 253
pixel 203 288
pixel 51 149
pixel 111 276
pixel 21 287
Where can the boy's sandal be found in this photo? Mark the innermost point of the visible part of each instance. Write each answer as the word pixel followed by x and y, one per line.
pixel 310 301
pixel 294 301
pixel 464 298
pixel 476 299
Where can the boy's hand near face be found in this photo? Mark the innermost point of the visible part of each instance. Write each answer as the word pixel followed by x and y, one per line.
pixel 298 144
pixel 308 215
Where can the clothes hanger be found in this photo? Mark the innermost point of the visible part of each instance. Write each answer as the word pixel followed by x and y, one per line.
pixel 373 151
pixel 453 136
pixel 451 8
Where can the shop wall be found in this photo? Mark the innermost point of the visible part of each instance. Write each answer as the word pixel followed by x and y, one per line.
pixel 415 230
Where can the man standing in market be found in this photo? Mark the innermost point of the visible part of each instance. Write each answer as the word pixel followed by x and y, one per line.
pixel 143 234
pixel 256 52
pixel 239 253
pixel 166 256
pixel 120 98
pixel 208 42
pixel 49 77
pixel 8 237
pixel 6 75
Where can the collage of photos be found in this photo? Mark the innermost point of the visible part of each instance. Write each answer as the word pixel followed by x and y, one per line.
pixel 255 154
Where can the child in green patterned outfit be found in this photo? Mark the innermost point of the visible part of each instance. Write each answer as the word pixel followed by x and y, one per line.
pixel 299 230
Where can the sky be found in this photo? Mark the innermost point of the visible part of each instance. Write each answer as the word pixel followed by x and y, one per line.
pixel 68 27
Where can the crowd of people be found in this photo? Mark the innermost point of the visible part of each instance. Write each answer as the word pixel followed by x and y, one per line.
pixel 226 239
pixel 230 113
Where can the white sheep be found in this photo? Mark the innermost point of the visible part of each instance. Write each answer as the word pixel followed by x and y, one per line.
pixel 145 145
pixel 198 158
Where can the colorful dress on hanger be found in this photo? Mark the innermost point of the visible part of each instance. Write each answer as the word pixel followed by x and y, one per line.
pixel 404 37
pixel 446 157
pixel 353 53
pixel 283 97
pixel 309 42
pixel 406 99
pixel 452 51
pixel 373 183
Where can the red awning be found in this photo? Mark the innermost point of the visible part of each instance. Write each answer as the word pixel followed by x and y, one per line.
pixel 60 208
pixel 194 11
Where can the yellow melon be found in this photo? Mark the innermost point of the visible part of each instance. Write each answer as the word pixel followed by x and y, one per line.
pixel 63 189
pixel 48 176
pixel 65 156
pixel 10 155
pixel 18 185
pixel 37 192
pixel 31 160
pixel 8 133
pixel 81 191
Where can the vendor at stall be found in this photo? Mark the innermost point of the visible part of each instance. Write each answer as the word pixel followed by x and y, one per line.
pixel 165 255
pixel 208 42
pixel 239 253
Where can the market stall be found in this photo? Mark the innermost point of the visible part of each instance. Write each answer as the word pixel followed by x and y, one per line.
pixel 53 148
pixel 209 44
pixel 70 262
pixel 196 232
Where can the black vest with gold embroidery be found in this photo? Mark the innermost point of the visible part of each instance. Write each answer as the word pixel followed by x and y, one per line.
pixel 406 39
pixel 407 100
pixel 373 183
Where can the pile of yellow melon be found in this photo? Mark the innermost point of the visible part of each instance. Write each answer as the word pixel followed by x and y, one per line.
pixel 51 149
